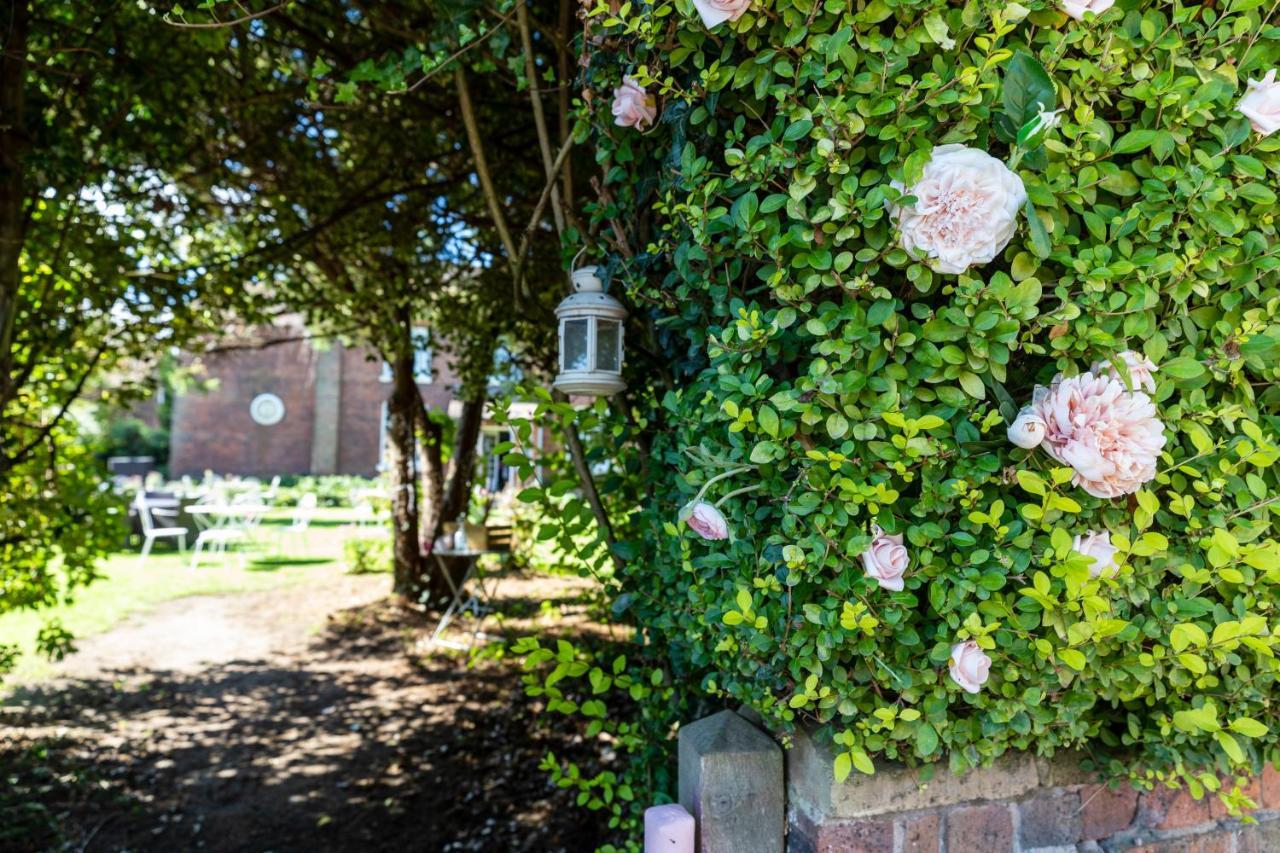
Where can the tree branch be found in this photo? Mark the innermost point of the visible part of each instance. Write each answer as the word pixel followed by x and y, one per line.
pixel 482 166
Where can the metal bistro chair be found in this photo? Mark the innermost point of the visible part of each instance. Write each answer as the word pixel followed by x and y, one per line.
pixel 151 532
pixel 302 514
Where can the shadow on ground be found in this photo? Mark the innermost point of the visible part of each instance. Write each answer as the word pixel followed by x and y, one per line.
pixel 352 744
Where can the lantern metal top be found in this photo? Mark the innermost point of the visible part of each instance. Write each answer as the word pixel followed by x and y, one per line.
pixel 589 299
pixel 587 308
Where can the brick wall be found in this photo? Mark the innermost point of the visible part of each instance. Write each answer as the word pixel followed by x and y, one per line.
pixel 213 429
pixel 1022 804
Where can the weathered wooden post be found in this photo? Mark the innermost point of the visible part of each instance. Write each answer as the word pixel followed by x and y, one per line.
pixel 731 781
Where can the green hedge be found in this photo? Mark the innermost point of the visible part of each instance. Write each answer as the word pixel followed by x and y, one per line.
pixel 841 384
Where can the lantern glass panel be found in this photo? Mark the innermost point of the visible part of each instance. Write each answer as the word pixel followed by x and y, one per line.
pixel 574 345
pixel 608 344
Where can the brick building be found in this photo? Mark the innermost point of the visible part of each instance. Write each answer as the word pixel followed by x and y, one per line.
pixel 294 408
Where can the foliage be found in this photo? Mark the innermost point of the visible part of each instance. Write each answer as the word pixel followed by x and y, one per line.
pixel 367 555
pixel 135 437
pixel 335 490
pixel 103 202
pixel 628 706
pixel 849 385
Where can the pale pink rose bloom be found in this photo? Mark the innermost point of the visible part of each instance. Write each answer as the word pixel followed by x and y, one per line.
pixel 966 209
pixel 1261 104
pixel 1111 437
pixel 1142 370
pixel 1027 430
pixel 969 666
pixel 1098 546
pixel 632 106
pixel 707 521
pixel 885 559
pixel 716 12
pixel 1077 8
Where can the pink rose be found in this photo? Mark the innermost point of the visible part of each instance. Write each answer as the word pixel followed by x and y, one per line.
pixel 969 666
pixel 1142 370
pixel 706 521
pixel 1098 547
pixel 886 559
pixel 632 106
pixel 715 12
pixel 1077 8
pixel 966 209
pixel 1111 436
pixel 1261 104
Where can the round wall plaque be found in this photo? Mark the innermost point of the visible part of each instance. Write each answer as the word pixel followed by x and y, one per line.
pixel 267 409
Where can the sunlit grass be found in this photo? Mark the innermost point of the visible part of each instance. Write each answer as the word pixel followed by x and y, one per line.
pixel 128 586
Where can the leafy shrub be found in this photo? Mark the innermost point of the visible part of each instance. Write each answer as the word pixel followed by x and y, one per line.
pixel 367 555
pixel 837 383
pixel 335 490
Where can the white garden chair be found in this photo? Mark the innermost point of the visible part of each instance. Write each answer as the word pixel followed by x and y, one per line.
pixel 302 515
pixel 151 532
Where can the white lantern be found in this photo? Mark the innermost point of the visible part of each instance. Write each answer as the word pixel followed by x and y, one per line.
pixel 590 338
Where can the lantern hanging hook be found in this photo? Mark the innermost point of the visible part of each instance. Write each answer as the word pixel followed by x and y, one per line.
pixel 574 264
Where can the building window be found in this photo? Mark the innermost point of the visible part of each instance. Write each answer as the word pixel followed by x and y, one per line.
pixel 421 358
pixel 496 474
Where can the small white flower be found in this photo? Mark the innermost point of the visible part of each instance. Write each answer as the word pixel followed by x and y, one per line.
pixel 1077 8
pixel 1141 369
pixel 1261 104
pixel 1098 547
pixel 1027 430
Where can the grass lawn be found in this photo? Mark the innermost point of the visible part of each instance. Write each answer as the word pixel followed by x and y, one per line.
pixel 128 585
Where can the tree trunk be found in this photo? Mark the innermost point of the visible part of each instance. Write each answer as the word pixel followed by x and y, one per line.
pixel 13 146
pixel 402 409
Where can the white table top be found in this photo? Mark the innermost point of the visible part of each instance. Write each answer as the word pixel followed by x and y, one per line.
pixel 227 509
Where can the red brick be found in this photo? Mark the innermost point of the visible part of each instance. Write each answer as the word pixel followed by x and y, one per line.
pixel 1270 787
pixel 1050 819
pixel 1105 811
pixel 1260 838
pixel 922 834
pixel 988 829
pixel 1165 808
pixel 212 429
pixel 862 836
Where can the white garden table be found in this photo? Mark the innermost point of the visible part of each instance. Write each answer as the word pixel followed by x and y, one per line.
pixel 477 602
pixel 223 523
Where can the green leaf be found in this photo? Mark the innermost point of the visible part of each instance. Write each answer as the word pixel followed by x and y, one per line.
pixel 1027 89
pixel 768 420
pixel 1230 746
pixel 1072 658
pixel 1134 140
pixel 1248 727
pixel 1039 237
pixel 926 739
pixel 843 766
pixel 1183 368
pixel 972 385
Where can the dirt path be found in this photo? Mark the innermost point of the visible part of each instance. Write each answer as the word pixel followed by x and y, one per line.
pixel 296 719
pixel 187 634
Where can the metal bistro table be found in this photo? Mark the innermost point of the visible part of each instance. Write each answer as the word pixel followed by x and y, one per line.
pixel 477 602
